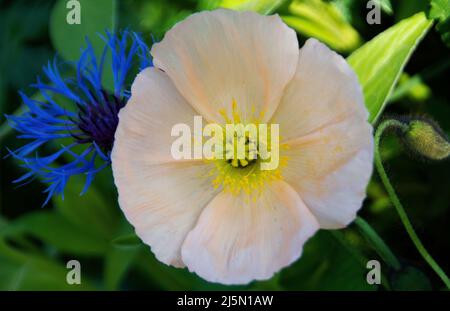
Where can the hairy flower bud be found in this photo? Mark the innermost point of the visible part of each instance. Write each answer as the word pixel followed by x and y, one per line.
pixel 425 138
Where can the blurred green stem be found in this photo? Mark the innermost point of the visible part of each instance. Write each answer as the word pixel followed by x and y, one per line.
pixel 377 242
pixel 394 124
pixel 115 17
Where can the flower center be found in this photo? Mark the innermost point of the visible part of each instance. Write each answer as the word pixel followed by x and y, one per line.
pixel 97 122
pixel 250 154
pixel 245 149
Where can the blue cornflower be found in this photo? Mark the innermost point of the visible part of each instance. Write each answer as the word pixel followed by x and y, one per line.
pixel 77 114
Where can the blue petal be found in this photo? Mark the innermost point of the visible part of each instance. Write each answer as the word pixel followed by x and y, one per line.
pixel 53 118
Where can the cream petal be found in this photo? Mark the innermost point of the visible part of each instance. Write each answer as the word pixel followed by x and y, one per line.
pixel 162 201
pixel 320 153
pixel 237 240
pixel 219 56
pixel 330 169
pixel 336 198
pixel 160 197
pixel 323 120
pixel 145 123
pixel 324 90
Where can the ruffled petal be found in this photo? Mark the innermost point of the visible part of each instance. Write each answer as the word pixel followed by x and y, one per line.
pixel 163 201
pixel 324 90
pixel 145 125
pixel 237 239
pixel 161 197
pixel 217 57
pixel 323 121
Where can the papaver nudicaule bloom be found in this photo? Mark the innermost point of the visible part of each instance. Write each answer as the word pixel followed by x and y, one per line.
pixel 229 223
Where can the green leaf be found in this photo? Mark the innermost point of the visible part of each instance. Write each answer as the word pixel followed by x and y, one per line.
pixel 121 255
pixel 260 6
pixel 385 5
pixel 440 10
pixel 405 9
pixel 208 4
pixel 154 18
pixel 96 17
pixel 55 230
pixel 28 271
pixel 410 278
pixel 324 21
pixel 271 284
pixel 412 87
pixel 444 30
pixel 325 265
pixel 3 223
pixel 164 277
pixel 24 47
pixel 380 62
pixel 117 263
pixel 91 212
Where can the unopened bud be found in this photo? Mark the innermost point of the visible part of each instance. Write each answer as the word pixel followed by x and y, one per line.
pixel 426 139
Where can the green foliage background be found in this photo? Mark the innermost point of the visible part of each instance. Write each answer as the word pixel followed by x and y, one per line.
pixel 404 69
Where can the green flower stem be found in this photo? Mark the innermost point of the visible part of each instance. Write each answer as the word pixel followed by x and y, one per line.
pixel 377 242
pixel 396 202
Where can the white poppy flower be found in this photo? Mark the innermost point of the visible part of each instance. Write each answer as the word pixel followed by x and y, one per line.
pixel 197 213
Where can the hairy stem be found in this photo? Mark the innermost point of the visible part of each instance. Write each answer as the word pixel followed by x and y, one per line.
pixel 396 202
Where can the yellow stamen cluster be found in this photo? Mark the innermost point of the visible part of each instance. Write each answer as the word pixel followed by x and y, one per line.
pixel 236 175
pixel 250 179
pixel 231 150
